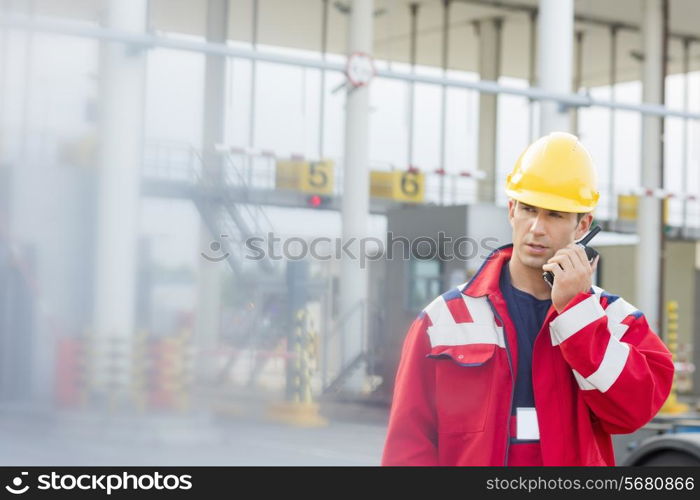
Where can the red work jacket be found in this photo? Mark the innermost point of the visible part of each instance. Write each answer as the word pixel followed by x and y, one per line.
pixel 597 369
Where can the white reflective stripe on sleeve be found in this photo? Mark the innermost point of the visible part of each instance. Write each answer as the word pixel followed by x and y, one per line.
pixel 612 365
pixel 619 310
pixel 526 423
pixel 617 330
pixel 439 313
pixel 584 384
pixel 609 370
pixel 616 313
pixel 464 334
pixel 572 320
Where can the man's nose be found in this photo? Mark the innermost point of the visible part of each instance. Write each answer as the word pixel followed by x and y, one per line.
pixel 537 225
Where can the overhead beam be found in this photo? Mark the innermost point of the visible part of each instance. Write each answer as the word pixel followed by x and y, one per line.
pixel 579 18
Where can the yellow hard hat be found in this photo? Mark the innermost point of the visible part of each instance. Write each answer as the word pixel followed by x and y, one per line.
pixel 555 172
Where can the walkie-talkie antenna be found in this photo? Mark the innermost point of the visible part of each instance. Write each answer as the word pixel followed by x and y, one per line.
pixel 589 236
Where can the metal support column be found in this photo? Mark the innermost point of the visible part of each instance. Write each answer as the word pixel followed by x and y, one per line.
pixel 213 126
pixel 4 51
pixel 532 74
pixel 355 202
pixel 322 93
pixel 489 32
pixel 686 124
pixel 578 78
pixel 443 107
pixel 555 35
pixel 27 90
pixel 612 197
pixel 412 86
pixel 649 222
pixel 122 89
pixel 253 79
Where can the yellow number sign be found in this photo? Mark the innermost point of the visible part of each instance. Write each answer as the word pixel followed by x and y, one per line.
pixel 306 176
pixel 408 186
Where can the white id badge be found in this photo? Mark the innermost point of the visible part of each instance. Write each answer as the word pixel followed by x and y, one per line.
pixel 526 423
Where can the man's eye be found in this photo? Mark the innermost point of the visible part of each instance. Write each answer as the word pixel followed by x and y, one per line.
pixel 529 209
pixel 555 214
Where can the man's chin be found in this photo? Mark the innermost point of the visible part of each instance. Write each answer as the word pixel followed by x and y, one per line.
pixel 533 261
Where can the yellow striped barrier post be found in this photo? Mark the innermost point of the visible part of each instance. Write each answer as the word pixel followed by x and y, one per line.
pixel 300 410
pixel 672 405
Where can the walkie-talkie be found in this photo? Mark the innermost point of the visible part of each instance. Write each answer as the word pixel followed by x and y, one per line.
pixel 591 253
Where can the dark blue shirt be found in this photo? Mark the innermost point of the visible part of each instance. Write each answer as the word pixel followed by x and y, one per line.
pixel 528 314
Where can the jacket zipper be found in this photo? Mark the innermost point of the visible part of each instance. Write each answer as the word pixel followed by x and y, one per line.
pixel 512 379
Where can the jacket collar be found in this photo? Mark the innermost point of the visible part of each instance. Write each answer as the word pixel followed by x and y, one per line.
pixel 486 279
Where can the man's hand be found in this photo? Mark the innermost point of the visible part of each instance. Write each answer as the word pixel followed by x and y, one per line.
pixel 572 274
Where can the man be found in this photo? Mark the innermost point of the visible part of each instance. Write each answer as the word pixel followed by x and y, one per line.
pixel 506 370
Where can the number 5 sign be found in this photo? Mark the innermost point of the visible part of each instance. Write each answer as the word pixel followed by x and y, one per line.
pixel 306 176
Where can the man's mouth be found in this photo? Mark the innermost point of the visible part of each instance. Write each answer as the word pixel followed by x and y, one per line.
pixel 535 248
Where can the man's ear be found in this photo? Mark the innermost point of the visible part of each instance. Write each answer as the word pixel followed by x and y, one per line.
pixel 584 225
pixel 511 210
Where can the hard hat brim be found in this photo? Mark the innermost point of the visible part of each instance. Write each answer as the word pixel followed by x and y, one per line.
pixel 550 201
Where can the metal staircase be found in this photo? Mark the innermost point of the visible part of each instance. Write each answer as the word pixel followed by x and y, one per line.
pixel 335 377
pixel 218 191
pixel 230 218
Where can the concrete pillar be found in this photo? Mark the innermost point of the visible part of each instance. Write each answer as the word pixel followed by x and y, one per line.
pixel 122 84
pixel 355 202
pixel 489 32
pixel 555 40
pixel 649 216
pixel 213 131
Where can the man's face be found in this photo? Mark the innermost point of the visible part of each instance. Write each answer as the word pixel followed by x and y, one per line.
pixel 538 233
